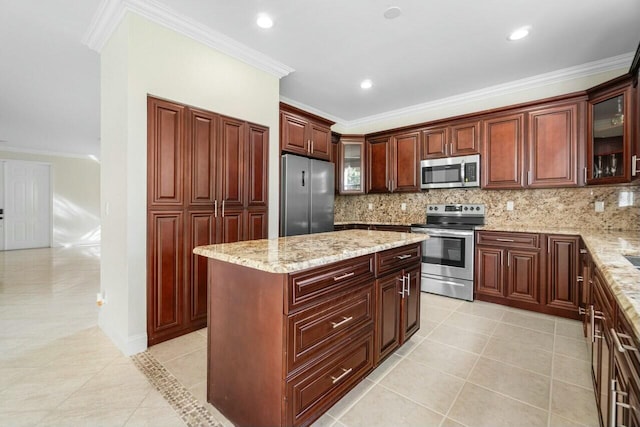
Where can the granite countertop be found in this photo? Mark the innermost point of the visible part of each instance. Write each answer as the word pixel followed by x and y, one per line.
pixel 295 253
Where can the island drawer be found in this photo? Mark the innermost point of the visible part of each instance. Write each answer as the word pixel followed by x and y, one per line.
pixel 397 258
pixel 316 284
pixel 314 390
pixel 505 239
pixel 314 330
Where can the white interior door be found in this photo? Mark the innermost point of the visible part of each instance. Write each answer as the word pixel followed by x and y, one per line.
pixel 27 206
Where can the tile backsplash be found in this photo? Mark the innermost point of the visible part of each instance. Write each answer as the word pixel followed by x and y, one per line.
pixel 560 207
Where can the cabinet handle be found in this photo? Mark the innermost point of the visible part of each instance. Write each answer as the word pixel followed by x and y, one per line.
pixel 223 208
pixel 344 373
pixel 408 284
pixel 613 399
pixel 634 165
pixel 451 148
pixel 342 322
pixel 508 261
pixel 582 311
pixel 215 207
pixel 579 279
pixel 344 276
pixel 592 320
pixel 402 279
pixel 529 177
pixel 308 145
pixel 312 145
pixel 505 240
pixel 401 257
pixel 585 174
pixel 621 347
pixel 584 251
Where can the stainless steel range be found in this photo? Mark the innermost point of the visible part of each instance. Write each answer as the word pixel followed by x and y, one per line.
pixel 447 256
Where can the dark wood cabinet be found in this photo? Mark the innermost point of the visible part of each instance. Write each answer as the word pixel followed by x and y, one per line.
pixel 502 152
pixel 456 139
pixel 563 264
pixel 207 183
pixel 398 298
pixel 584 288
pixel 625 387
pixel 602 315
pixel 508 269
pixel 393 163
pixel 612 146
pixel 305 134
pixel 552 144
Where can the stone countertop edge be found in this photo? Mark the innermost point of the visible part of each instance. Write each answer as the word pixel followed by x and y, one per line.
pixel 607 249
pixel 296 253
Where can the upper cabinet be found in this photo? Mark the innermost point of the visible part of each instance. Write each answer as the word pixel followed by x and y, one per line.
pixel 611 149
pixel 502 153
pixel 393 163
pixel 455 139
pixel 350 165
pixel 305 134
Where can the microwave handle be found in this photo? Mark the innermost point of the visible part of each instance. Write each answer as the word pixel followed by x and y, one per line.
pixel 462 172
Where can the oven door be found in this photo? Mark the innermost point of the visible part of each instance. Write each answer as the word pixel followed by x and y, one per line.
pixel 448 253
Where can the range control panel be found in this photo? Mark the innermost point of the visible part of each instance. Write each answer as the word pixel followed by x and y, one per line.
pixel 459 209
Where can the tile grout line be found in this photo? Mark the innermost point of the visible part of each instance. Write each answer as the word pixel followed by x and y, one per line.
pixel 553 357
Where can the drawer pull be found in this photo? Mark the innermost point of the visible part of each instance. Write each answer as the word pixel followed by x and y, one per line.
pixel 505 240
pixel 621 347
pixel 345 372
pixel 401 257
pixel 344 276
pixel 342 322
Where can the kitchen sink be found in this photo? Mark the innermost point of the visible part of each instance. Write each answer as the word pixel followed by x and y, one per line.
pixel 635 260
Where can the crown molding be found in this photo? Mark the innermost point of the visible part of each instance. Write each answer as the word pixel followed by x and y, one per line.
pixel 111 12
pixel 311 109
pixel 540 80
pixel 11 149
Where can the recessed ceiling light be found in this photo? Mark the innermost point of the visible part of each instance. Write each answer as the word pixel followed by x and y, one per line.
pixel 520 33
pixel 366 84
pixel 264 21
pixel 393 12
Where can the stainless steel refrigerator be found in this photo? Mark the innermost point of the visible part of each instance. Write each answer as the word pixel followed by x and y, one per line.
pixel 306 197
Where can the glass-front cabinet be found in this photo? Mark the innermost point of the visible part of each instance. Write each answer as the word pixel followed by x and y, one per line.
pixel 351 164
pixel 610 120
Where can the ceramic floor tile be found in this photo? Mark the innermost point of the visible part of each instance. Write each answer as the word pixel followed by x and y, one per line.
pixel 471 323
pixel 558 421
pixel 517 383
pixel 384 368
pixel 409 346
pixel 21 418
pixel 350 399
pixel 178 346
pixel 396 411
pixel 570 328
pixel 482 309
pixel 434 314
pixel 577 349
pixel 426 327
pixel 439 301
pixel 459 338
pixel 525 320
pixel 574 403
pixel 95 416
pixel 189 369
pixel 479 407
pixel 199 391
pixel 572 371
pixel 525 336
pixel 445 358
pixel 433 389
pixel 325 420
pixel 448 422
pixel 154 417
pixel 522 355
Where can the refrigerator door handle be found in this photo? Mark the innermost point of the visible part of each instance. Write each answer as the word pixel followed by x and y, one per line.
pixel 303 178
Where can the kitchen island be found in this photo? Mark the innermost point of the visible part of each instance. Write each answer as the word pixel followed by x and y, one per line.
pixel 294 323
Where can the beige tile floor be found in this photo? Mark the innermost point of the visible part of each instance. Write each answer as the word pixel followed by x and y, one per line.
pixel 471 364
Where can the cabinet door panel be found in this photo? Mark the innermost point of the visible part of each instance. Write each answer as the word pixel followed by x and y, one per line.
pixel 232 148
pixel 257 225
pixel 165 153
pixel 231 227
pixel 489 275
pixel 523 276
pixel 202 157
pixel 202 229
pixel 406 157
pixel 320 142
pixel 293 134
pixel 465 138
pixel 377 165
pixel 257 167
pixel 165 270
pixel 502 152
pixel 553 146
pixel 389 302
pixel 411 304
pixel 434 143
pixel 562 267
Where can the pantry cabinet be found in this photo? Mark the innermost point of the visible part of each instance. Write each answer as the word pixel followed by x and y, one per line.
pixel 304 133
pixel 206 183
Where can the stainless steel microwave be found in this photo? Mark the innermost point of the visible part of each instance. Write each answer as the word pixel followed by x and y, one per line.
pixel 450 172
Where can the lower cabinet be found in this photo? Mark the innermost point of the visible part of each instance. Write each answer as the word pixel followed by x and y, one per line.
pixel 530 271
pixel 283 348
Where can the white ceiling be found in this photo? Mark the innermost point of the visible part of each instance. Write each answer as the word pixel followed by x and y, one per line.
pixel 49 80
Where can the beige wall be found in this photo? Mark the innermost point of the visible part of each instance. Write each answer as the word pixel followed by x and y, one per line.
pixel 76 197
pixel 144 58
